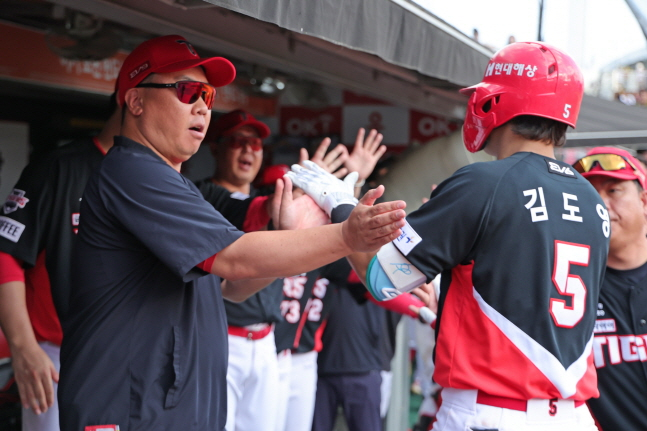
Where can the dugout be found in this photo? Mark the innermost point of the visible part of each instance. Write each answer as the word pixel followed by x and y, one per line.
pixel 308 68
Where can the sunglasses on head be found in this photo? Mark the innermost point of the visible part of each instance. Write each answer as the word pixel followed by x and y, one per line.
pixel 188 91
pixel 256 144
pixel 608 162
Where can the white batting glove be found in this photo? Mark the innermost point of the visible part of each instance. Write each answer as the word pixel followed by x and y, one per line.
pixel 323 187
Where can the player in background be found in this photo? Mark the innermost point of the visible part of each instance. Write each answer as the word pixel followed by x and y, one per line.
pixel 38 224
pixel 236 143
pixel 620 340
pixel 307 297
pixel 235 140
pixel 521 243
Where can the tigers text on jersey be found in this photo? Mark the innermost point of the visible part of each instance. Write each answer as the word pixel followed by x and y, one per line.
pixel 522 244
pixel 620 351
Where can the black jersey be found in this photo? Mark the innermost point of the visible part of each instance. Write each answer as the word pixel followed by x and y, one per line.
pixel 264 305
pixel 620 354
pixel 42 215
pixel 145 339
pixel 354 334
pixel 522 243
pixel 306 304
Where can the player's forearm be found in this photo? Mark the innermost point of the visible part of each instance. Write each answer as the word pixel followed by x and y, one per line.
pixel 280 253
pixel 238 291
pixel 14 318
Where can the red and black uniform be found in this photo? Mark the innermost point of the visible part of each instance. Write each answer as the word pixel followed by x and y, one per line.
pixel 38 225
pixel 522 245
pixel 305 305
pixel 620 351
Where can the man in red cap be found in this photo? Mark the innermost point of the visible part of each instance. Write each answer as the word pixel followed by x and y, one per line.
pixel 144 344
pixel 621 327
pixel 236 142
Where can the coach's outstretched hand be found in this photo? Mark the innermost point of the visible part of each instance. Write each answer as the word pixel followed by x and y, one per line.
pixel 370 226
pixel 323 187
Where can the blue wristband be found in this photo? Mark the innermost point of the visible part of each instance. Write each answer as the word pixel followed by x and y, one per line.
pixel 378 283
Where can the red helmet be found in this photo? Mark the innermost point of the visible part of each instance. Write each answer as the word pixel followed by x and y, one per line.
pixel 524 78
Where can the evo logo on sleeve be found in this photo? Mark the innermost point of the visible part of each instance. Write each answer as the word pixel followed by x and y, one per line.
pixel 559 168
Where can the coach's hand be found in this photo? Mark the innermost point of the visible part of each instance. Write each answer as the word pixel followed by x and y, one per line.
pixel 370 226
pixel 323 187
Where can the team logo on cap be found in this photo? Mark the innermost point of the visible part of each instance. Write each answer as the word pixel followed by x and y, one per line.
pixel 15 200
pixel 139 69
pixel 189 46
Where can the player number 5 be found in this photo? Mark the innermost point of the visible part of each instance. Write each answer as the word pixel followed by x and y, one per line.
pixel 566 253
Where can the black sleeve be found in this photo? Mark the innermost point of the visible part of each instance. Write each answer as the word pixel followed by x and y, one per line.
pixel 26 211
pixel 449 224
pixel 180 227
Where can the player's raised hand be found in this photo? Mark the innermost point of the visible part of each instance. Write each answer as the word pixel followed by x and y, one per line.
pixel 326 190
pixel 330 162
pixel 291 213
pixel 371 225
pixel 366 153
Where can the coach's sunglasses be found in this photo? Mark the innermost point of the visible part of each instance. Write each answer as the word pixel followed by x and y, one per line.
pixel 608 162
pixel 188 91
pixel 256 144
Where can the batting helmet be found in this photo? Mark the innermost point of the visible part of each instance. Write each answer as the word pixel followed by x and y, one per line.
pixel 524 78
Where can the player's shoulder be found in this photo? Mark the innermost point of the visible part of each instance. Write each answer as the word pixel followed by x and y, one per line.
pixel 75 152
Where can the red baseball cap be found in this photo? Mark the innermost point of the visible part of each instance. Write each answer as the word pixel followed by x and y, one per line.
pixel 234 120
pixel 633 170
pixel 167 54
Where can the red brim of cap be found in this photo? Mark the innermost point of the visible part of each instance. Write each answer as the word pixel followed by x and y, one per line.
pixel 219 70
pixel 261 128
pixel 620 175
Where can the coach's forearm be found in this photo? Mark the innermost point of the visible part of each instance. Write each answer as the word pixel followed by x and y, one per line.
pixel 281 253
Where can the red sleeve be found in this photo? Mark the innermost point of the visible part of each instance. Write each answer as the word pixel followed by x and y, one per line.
pixel 257 216
pixel 399 304
pixel 206 264
pixel 10 269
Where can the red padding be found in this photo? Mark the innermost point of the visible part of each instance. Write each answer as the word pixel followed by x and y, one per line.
pixel 399 304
